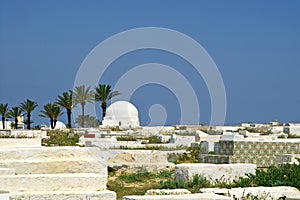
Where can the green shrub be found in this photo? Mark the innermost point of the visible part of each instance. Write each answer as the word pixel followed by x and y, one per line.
pixel 153 140
pixel 197 183
pixel 136 177
pixel 144 175
pixel 61 138
pixel 191 156
pixel 293 136
pixel 194 185
pixel 164 174
pixel 172 184
pixel 282 175
pixel 126 138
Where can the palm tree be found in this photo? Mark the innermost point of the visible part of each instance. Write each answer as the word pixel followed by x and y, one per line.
pixel 65 101
pixel 82 95
pixel 104 94
pixel 15 112
pixel 28 106
pixel 52 111
pixel 3 111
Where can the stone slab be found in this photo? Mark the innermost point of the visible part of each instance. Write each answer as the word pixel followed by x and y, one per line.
pixel 7 171
pixel 4 195
pixel 90 195
pixel 213 172
pixel 20 142
pixel 51 160
pixel 220 191
pixel 135 160
pixel 53 182
pixel 179 197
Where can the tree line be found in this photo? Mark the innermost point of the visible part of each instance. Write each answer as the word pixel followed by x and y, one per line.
pixel 81 95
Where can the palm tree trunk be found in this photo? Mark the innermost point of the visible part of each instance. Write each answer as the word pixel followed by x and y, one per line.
pixel 3 122
pixel 69 112
pixel 51 123
pixel 82 112
pixel 103 106
pixel 54 123
pixel 16 123
pixel 28 122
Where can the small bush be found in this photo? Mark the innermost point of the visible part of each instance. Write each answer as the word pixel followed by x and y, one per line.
pixel 197 183
pixel 144 175
pixel 194 185
pixel 172 184
pixel 116 128
pixel 136 177
pixel 153 140
pixel 191 156
pixel 164 174
pixel 137 183
pixel 293 136
pixel 126 138
pixel 282 175
pixel 61 138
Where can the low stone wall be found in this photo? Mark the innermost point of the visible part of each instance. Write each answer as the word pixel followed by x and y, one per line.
pixel 53 182
pixel 259 151
pixel 215 159
pixel 135 160
pixel 110 143
pixel 179 197
pixel 181 140
pixel 25 133
pixel 20 142
pixel 64 195
pixel 52 160
pixel 213 172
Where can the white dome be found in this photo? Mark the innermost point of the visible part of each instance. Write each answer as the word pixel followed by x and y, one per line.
pixel 122 109
pixel 59 125
pixel 121 113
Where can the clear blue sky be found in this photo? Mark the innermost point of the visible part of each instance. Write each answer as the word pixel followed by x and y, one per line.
pixel 255 44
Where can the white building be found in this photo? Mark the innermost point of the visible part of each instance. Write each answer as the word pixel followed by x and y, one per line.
pixel 8 124
pixel 121 114
pixel 292 129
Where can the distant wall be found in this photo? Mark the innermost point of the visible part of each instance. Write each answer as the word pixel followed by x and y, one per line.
pixel 26 133
pixel 20 142
pixel 261 153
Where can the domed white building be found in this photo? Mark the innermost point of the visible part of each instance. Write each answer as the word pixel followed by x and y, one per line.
pixel 122 114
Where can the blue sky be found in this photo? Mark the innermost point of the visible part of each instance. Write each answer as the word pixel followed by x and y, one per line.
pixel 255 44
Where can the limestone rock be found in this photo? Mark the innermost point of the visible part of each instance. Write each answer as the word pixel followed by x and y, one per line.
pixel 137 160
pixel 213 172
